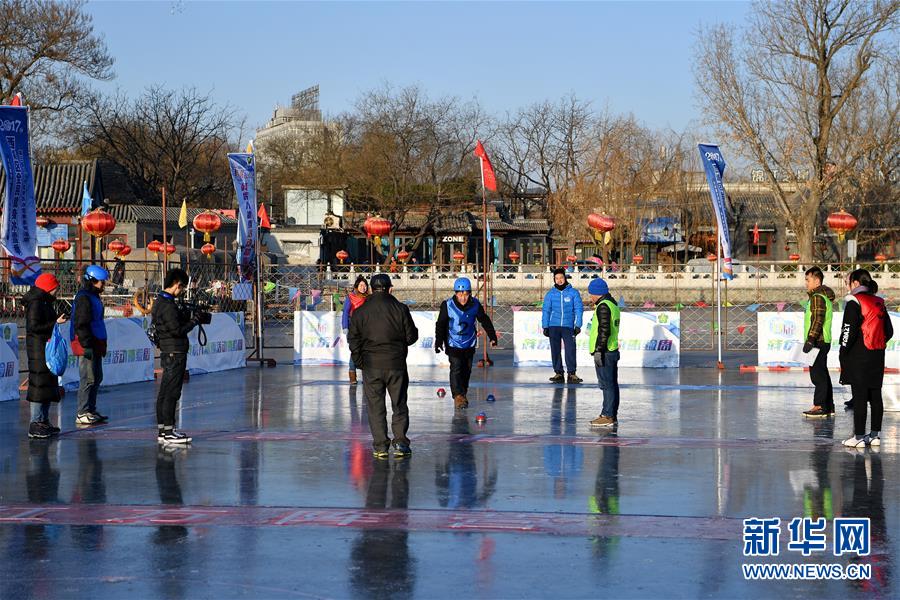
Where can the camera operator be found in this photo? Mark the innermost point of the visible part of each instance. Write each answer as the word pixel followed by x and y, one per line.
pixel 171 323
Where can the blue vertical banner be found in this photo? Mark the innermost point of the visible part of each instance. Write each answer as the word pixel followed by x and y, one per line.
pixel 243 174
pixel 18 235
pixel 714 165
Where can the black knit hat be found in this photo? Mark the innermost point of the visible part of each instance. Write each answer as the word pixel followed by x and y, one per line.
pixel 381 282
pixel 559 271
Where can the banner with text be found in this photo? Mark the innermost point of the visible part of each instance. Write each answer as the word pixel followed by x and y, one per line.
pixel 18 233
pixel 224 347
pixel 319 340
pixel 243 175
pixel 9 361
pixel 780 341
pixel 129 356
pixel 646 339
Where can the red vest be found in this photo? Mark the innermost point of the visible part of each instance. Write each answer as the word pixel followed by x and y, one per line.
pixel 356 300
pixel 873 313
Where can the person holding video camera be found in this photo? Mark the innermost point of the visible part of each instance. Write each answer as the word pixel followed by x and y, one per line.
pixel 171 323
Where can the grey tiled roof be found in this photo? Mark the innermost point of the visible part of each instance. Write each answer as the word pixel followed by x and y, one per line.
pixel 58 186
pixel 135 213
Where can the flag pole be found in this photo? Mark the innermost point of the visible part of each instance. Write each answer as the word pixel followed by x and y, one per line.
pixel 719 362
pixel 165 220
pixel 485 360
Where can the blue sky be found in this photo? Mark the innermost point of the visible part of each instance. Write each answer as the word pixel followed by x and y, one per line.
pixel 635 56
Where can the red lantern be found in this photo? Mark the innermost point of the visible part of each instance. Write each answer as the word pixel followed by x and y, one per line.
pixel 841 222
pixel 880 257
pixel 342 255
pixel 601 223
pixel 377 226
pixel 61 246
pixel 711 257
pixel 571 258
pixel 98 223
pixel 794 257
pixel 42 221
pixel 169 249
pixel 514 256
pixel 402 256
pixel 155 246
pixel 116 246
pixel 125 251
pixel 208 250
pixel 458 256
pixel 637 259
pixel 208 222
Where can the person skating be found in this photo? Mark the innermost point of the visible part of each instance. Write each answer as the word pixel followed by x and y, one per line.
pixel 43 386
pixel 354 300
pixel 88 339
pixel 381 331
pixel 817 329
pixel 172 324
pixel 604 347
pixel 561 321
pixel 455 333
pixel 865 331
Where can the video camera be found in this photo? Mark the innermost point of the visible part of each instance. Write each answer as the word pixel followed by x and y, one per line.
pixel 201 312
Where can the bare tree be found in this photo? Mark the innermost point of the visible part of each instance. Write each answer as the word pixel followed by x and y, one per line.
pixel 163 139
pixel 779 93
pixel 48 49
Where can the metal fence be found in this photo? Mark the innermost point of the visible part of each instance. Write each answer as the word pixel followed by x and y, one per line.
pixel 688 289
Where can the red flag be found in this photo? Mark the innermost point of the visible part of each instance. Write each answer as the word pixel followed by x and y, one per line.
pixel 264 222
pixel 488 180
pixel 756 234
pixel 16 100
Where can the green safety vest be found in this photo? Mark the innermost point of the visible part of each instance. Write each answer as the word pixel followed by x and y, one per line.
pixel 615 316
pixel 826 326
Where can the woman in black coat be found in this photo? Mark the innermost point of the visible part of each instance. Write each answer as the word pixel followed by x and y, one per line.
pixel 43 385
pixel 865 331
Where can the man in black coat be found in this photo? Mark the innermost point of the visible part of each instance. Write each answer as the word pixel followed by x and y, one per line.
pixel 171 323
pixel 381 331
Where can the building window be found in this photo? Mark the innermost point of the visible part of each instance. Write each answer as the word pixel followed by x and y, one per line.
pixel 761 249
pixel 308 207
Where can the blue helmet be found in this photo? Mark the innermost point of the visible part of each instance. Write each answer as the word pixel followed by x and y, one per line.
pixel 598 287
pixel 96 273
pixel 462 285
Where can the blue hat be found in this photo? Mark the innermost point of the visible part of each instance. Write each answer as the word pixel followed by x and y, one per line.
pixel 462 285
pixel 96 273
pixel 598 287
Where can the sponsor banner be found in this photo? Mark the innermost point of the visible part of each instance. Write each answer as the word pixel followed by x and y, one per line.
pixel 319 340
pixel 714 165
pixel 780 341
pixel 18 235
pixel 646 339
pixel 9 361
pixel 129 356
pixel 243 175
pixel 225 345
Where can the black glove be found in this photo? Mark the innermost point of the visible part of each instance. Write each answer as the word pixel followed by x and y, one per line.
pixel 438 347
pixel 577 330
pixel 89 354
pixel 546 332
pixel 807 347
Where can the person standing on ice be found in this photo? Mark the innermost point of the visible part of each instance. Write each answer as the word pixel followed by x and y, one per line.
pixel 354 300
pixel 455 333
pixel 865 331
pixel 817 329
pixel 561 320
pixel 381 331
pixel 604 346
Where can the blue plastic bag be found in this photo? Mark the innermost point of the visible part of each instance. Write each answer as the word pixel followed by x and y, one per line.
pixel 56 353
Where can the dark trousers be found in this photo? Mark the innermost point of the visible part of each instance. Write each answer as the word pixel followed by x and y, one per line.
pixel 173 366
pixel 607 366
pixel 863 395
pixel 562 336
pixel 460 370
pixel 396 383
pixel 823 397
pixel 91 374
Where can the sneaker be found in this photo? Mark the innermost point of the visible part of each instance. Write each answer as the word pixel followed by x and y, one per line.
pixel 817 412
pixel 460 402
pixel 603 421
pixel 852 442
pixel 381 453
pixel 558 378
pixel 573 378
pixel 86 419
pixel 101 418
pixel 401 450
pixel 874 441
pixel 175 437
pixel 53 429
pixel 39 430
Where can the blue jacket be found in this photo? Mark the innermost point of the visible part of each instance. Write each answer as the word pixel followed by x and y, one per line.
pixel 562 308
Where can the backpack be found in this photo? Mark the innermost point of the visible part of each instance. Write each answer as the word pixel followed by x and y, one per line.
pixel 874 315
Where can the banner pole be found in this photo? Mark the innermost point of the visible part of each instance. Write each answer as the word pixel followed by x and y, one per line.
pixel 719 362
pixel 165 220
